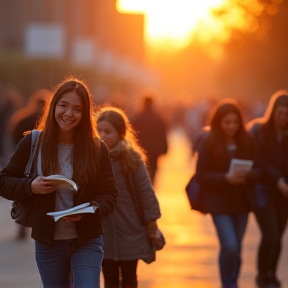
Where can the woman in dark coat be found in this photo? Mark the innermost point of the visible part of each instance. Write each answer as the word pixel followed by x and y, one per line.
pixel 271 137
pixel 226 195
pixel 73 246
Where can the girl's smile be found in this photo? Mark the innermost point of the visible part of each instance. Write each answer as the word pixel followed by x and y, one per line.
pixel 68 111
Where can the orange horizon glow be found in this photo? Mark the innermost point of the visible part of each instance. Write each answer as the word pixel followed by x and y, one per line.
pixel 176 23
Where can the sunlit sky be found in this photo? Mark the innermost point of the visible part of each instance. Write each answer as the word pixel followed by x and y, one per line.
pixel 175 23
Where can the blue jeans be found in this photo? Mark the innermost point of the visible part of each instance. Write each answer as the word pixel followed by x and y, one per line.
pixel 65 262
pixel 230 230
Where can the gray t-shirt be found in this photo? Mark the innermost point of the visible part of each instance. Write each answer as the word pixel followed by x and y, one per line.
pixel 64 197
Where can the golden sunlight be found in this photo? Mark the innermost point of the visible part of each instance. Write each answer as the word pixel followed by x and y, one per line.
pixel 175 23
pixel 172 21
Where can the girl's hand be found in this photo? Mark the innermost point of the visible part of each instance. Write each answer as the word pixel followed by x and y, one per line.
pixel 42 186
pixel 73 218
pixel 283 187
pixel 152 229
pixel 236 178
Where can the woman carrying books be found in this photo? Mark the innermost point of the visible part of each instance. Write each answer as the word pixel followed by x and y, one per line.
pixel 72 248
pixel 226 195
pixel 126 239
pixel 271 136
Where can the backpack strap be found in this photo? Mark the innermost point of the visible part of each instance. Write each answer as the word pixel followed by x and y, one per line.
pixel 35 134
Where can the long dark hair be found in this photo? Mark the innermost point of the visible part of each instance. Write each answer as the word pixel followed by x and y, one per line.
pixel 86 146
pixel 118 119
pixel 280 98
pixel 216 137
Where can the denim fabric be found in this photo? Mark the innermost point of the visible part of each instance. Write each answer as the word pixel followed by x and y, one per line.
pixel 261 196
pixel 65 262
pixel 230 230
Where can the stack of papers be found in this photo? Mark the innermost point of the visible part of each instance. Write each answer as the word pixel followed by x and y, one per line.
pixel 61 182
pixel 240 165
pixel 82 208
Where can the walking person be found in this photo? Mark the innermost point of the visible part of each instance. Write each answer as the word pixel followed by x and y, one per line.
pixel 152 133
pixel 226 195
pixel 126 239
pixel 71 248
pixel 25 119
pixel 271 137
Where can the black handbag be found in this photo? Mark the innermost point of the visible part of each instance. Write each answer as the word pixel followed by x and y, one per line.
pixel 194 194
pixel 160 242
pixel 24 212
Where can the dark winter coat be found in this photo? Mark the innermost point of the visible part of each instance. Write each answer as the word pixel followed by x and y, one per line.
pixel 102 189
pixel 273 156
pixel 125 237
pixel 218 196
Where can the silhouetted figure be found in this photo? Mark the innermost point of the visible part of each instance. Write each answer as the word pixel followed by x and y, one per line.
pixel 10 100
pixel 151 132
pixel 270 133
pixel 24 120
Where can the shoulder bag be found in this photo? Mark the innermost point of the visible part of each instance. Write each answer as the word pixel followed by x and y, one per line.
pixel 23 212
pixel 194 195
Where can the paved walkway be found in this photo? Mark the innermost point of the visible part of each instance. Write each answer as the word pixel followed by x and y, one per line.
pixel 188 260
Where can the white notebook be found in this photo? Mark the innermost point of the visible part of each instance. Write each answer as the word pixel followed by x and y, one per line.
pixel 61 182
pixel 82 208
pixel 237 165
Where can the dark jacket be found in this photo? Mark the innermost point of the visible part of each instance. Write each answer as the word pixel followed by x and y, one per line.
pixel 152 133
pixel 218 196
pixel 272 153
pixel 102 189
pixel 273 156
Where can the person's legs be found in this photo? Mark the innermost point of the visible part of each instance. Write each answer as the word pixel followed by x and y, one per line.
pixel 129 274
pixel 21 233
pixel 110 269
pixel 266 219
pixel 152 167
pixel 240 224
pixel 281 212
pixel 229 238
pixel 53 264
pixel 86 264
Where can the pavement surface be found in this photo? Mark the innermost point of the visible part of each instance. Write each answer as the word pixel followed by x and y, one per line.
pixel 188 260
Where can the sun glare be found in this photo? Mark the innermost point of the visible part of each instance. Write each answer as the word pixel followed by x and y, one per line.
pixel 174 22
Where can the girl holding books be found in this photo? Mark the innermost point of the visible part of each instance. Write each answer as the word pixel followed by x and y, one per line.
pixel 72 248
pixel 271 136
pixel 226 195
pixel 126 239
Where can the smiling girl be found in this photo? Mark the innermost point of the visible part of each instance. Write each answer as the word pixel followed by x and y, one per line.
pixel 68 146
pixel 226 196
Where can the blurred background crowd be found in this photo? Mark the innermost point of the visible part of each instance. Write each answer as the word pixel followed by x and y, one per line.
pixel 167 61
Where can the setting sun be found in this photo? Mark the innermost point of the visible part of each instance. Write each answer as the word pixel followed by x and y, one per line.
pixel 175 23
pixel 172 21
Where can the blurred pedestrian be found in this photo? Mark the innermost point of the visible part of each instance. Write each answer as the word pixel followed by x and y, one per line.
pixel 195 118
pixel 227 195
pixel 152 132
pixel 10 101
pixel 23 120
pixel 68 146
pixel 271 136
pixel 126 239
